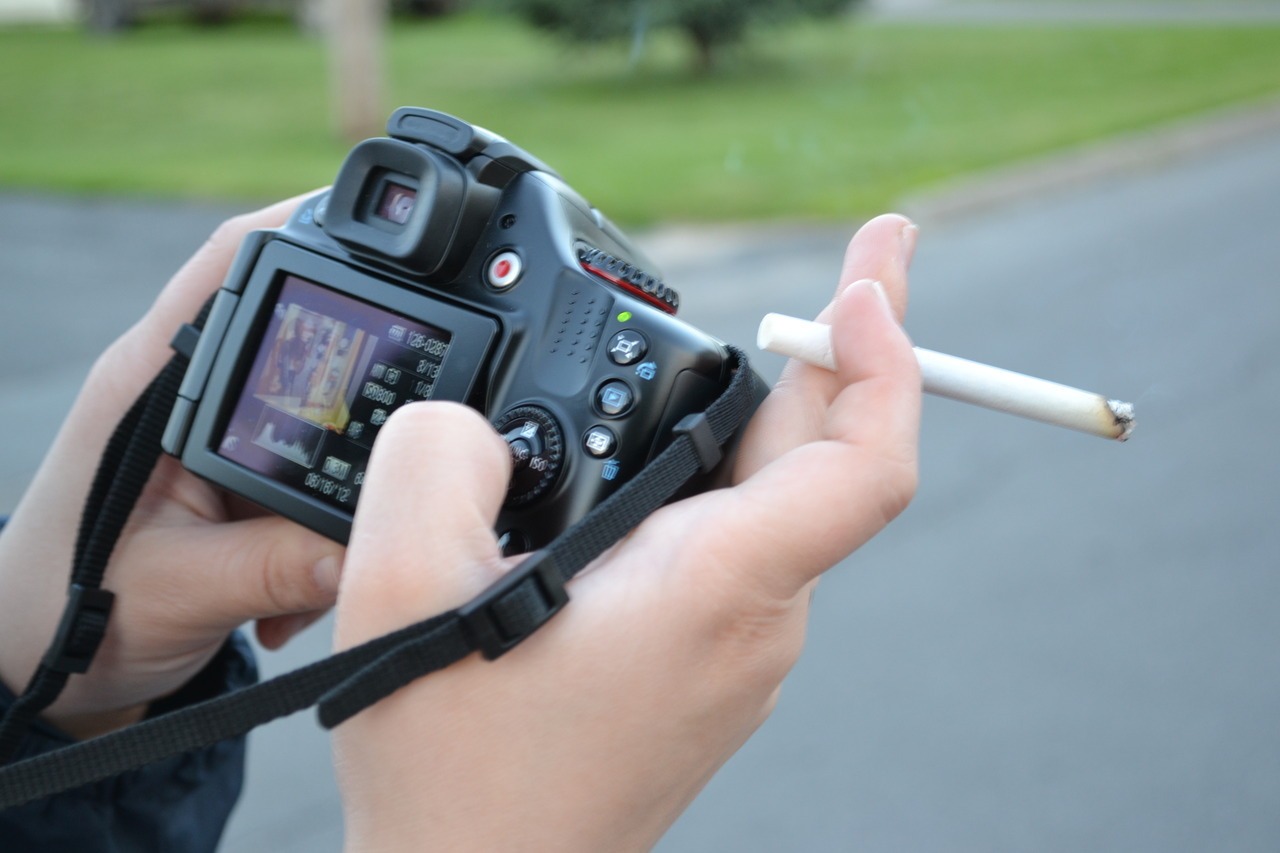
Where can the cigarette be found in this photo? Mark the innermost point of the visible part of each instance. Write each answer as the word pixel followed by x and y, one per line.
pixel 967 381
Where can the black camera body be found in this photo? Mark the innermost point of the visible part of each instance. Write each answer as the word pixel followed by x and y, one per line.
pixel 444 263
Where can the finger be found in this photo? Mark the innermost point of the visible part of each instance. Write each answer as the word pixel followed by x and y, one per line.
pixel 202 274
pixel 793 412
pixel 275 631
pixel 879 407
pixel 423 539
pixel 251 569
pixel 821 500
pixel 882 251
pixel 130 363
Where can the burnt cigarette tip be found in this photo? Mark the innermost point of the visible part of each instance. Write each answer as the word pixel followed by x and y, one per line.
pixel 1125 419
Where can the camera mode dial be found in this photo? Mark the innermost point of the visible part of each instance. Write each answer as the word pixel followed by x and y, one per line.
pixel 537 452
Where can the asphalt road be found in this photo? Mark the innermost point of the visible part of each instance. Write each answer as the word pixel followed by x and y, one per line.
pixel 1064 644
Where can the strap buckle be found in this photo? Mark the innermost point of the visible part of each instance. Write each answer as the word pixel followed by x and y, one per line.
pixel 516 605
pixel 702 439
pixel 83 625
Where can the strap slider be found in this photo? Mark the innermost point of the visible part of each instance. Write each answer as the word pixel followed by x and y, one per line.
pixel 84 624
pixel 705 446
pixel 515 606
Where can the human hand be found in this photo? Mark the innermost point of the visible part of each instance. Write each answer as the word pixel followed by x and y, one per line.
pixel 191 565
pixel 598 730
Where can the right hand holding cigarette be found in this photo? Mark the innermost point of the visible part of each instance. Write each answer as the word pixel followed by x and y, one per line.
pixel 600 729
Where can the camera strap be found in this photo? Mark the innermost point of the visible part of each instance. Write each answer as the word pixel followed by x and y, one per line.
pixel 342 685
pixel 126 464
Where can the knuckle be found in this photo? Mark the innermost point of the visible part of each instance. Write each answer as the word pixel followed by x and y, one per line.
pixel 230 232
pixel 281 588
pixel 898 487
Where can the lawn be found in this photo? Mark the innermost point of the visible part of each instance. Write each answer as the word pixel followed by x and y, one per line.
pixel 818 121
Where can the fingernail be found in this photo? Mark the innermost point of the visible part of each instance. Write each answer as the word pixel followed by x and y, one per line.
pixel 326 574
pixel 907 243
pixel 878 289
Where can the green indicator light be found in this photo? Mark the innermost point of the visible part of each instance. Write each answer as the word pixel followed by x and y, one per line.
pixel 624 316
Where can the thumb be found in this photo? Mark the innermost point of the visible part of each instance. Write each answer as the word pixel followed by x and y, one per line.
pixel 264 567
pixel 423 539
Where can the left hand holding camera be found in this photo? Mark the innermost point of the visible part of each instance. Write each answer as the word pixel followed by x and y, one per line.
pixel 600 729
pixel 192 564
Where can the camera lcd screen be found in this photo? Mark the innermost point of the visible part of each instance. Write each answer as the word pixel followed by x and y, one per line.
pixel 396 202
pixel 328 372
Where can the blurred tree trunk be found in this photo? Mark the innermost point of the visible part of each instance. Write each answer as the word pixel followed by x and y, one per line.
pixel 704 47
pixel 356 32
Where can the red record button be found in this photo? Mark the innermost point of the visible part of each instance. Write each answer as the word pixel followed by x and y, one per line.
pixel 504 270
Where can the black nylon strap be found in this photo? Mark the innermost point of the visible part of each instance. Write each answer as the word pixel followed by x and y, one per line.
pixel 42 690
pixel 108 508
pixel 123 470
pixel 130 456
pixel 350 681
pixel 182 731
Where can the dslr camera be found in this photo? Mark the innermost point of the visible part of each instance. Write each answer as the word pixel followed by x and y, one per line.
pixel 445 263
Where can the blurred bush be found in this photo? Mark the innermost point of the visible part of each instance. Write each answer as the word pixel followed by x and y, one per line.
pixel 709 25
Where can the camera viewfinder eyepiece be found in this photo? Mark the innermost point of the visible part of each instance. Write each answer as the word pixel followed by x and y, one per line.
pixel 399 202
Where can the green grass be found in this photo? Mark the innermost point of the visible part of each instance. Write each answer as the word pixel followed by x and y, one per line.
pixel 817 121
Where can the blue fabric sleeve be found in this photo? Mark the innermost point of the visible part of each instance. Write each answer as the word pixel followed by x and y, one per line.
pixel 180 804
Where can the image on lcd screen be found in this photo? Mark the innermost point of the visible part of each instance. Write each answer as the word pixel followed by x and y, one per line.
pixel 328 372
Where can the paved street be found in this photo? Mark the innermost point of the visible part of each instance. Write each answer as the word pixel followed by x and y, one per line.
pixel 1064 644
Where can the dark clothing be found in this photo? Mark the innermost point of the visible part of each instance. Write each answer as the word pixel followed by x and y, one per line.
pixel 180 804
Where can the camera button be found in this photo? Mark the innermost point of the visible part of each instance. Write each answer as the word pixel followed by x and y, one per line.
pixel 615 398
pixel 504 270
pixel 627 347
pixel 600 442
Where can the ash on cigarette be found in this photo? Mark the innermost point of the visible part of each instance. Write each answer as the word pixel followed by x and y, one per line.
pixel 1124 417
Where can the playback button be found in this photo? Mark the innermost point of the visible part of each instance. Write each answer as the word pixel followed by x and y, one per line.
pixel 615 398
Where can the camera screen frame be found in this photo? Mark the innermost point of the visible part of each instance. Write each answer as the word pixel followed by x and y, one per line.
pixel 472 337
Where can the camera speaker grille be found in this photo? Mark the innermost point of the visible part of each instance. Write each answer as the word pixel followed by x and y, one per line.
pixel 578 323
